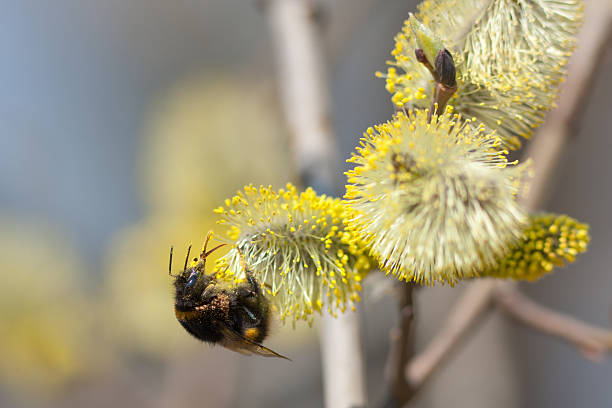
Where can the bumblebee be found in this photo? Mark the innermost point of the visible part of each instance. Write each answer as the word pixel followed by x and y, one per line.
pixel 218 311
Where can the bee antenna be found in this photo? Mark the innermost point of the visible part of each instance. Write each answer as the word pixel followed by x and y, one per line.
pixel 187 257
pixel 170 262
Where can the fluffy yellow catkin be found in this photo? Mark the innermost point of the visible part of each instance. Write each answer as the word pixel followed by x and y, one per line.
pixel 550 240
pixel 510 56
pixel 297 246
pixel 434 201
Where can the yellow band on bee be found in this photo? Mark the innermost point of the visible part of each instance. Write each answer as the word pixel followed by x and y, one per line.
pixel 187 315
pixel 251 333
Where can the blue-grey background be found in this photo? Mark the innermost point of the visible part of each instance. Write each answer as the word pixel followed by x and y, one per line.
pixel 80 83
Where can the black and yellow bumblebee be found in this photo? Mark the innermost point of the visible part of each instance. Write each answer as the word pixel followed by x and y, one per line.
pixel 219 311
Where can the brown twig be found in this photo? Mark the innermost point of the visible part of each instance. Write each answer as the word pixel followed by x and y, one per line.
pixel 591 341
pixel 471 307
pixel 400 349
pixel 547 148
pixel 304 92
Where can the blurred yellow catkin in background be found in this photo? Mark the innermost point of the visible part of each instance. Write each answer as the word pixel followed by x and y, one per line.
pixel 46 335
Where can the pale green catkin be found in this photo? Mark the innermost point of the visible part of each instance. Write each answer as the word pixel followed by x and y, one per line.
pixel 510 57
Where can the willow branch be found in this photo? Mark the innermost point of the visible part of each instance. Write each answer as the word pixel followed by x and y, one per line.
pixel 306 106
pixel 547 149
pixel 400 349
pixel 591 341
pixel 465 315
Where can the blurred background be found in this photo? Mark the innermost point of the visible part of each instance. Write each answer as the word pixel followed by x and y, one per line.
pixel 124 123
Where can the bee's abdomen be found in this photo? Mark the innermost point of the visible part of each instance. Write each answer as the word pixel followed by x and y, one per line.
pixel 204 330
pixel 203 321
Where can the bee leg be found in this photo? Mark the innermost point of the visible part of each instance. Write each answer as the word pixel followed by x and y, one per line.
pixel 249 275
pixel 254 286
pixel 208 293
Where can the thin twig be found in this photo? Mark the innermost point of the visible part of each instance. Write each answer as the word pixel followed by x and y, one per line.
pixel 400 349
pixel 306 105
pixel 304 91
pixel 547 149
pixel 591 341
pixel 466 313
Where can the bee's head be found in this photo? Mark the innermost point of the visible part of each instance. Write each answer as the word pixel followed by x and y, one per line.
pixel 189 276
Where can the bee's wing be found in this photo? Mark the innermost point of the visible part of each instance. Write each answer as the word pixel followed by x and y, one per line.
pixel 236 342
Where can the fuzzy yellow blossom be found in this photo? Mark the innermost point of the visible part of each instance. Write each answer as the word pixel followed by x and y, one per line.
pixel 434 201
pixel 550 240
pixel 510 56
pixel 297 246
